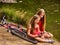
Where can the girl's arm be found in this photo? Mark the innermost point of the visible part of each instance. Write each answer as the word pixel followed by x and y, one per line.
pixel 29 30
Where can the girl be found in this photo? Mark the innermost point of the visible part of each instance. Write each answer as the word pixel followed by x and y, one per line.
pixel 42 23
pixel 34 31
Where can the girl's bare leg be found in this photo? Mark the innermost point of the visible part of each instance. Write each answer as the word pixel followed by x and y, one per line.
pixel 47 35
pixel 50 34
pixel 40 39
pixel 44 40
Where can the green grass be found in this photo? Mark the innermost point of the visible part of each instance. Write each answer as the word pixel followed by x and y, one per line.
pixel 22 12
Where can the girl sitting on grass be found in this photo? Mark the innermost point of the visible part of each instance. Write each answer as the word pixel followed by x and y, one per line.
pixel 42 23
pixel 34 31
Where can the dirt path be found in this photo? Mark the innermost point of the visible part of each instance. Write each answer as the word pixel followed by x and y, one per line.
pixel 8 39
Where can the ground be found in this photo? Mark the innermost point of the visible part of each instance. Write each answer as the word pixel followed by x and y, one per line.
pixel 7 38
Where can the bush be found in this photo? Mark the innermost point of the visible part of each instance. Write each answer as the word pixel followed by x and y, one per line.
pixel 14 15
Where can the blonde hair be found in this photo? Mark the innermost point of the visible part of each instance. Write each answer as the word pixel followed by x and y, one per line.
pixel 40 11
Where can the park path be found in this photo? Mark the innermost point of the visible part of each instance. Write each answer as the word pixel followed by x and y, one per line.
pixel 8 39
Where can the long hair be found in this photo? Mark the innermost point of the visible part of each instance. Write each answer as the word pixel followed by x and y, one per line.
pixel 32 22
pixel 39 13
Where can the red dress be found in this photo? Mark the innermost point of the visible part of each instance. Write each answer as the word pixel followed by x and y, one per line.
pixel 36 31
pixel 41 26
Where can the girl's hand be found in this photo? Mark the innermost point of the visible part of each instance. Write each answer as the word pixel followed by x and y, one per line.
pixel 34 35
pixel 45 31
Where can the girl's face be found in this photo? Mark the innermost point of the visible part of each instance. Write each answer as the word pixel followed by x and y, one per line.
pixel 37 20
pixel 42 14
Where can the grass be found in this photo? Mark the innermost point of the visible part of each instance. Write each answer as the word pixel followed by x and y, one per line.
pixel 22 12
